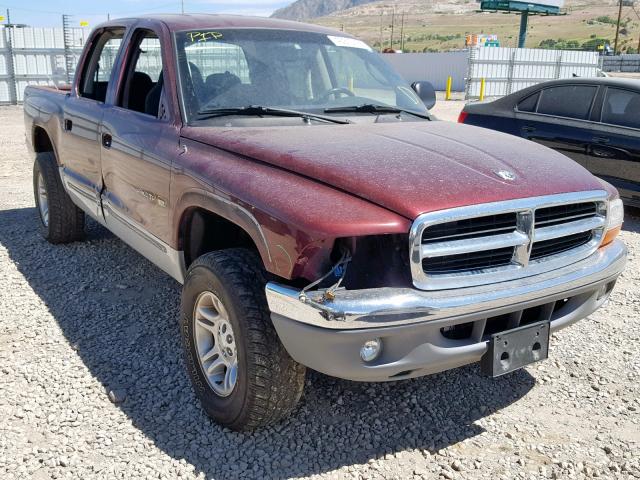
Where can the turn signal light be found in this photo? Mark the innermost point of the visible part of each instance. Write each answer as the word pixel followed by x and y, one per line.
pixel 615 217
pixel 610 236
pixel 462 117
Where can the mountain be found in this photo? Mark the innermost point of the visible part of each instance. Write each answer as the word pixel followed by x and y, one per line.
pixel 306 9
pixel 441 25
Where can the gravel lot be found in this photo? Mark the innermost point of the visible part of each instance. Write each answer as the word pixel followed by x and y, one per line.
pixel 92 383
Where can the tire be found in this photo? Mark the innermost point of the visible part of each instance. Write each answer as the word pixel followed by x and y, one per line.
pixel 268 383
pixel 63 221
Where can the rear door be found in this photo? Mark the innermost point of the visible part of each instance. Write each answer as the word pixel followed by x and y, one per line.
pixel 615 148
pixel 558 117
pixel 140 137
pixel 79 150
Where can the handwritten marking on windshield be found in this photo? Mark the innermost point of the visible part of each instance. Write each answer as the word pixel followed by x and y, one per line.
pixel 203 36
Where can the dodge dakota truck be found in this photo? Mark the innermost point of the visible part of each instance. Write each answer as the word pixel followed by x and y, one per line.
pixel 314 211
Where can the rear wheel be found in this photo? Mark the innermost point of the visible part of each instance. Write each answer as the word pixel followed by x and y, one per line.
pixel 59 219
pixel 240 371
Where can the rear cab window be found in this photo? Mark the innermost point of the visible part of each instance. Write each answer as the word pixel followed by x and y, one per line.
pixel 570 101
pixel 621 107
pixel 94 80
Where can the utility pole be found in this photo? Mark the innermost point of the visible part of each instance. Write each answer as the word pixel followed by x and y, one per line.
pixel 615 45
pixel 637 15
pixel 402 32
pixel 393 21
pixel 182 6
pixel 381 17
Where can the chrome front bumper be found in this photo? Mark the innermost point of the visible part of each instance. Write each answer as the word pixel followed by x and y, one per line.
pixel 326 334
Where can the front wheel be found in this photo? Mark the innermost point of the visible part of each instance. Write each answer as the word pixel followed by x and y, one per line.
pixel 240 371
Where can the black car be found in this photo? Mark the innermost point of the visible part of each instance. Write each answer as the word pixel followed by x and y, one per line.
pixel 595 121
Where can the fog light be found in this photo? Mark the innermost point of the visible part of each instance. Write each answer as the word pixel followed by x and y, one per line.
pixel 371 350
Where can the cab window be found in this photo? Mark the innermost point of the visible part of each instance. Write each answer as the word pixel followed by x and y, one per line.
pixel 622 108
pixel 141 87
pixel 94 80
pixel 570 101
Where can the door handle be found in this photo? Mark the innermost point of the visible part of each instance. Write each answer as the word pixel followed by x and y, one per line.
pixel 602 153
pixel 68 125
pixel 106 140
pixel 528 129
pixel 601 139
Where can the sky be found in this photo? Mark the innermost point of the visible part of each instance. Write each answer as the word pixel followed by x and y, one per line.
pixel 48 13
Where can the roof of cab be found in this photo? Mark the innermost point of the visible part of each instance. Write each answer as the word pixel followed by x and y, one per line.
pixel 178 22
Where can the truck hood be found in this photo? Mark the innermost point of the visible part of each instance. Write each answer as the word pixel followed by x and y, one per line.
pixel 409 168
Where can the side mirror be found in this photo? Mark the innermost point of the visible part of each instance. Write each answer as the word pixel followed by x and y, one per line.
pixel 426 92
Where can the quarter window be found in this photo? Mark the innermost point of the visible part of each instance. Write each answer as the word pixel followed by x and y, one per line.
pixel 621 107
pixel 529 103
pixel 571 101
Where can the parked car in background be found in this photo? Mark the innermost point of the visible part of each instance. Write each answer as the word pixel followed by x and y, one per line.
pixel 594 121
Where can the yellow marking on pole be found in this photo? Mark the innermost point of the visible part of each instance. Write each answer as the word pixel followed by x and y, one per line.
pixel 448 94
pixel 84 23
pixel 482 84
pixel 2 19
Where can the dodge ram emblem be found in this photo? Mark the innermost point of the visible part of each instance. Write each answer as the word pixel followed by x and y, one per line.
pixel 505 174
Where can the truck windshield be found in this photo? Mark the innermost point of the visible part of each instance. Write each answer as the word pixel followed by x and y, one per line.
pixel 286 69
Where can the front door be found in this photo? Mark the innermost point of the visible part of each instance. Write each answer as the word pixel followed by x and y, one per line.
pixel 560 120
pixel 138 142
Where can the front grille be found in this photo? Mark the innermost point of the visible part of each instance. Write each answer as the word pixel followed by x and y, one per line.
pixel 563 213
pixel 468 261
pixel 501 241
pixel 559 245
pixel 471 227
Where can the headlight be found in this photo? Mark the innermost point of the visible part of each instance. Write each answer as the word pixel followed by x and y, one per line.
pixel 615 217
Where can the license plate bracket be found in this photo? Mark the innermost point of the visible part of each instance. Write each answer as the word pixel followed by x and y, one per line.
pixel 514 349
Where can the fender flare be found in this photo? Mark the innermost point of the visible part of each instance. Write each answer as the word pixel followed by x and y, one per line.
pixel 227 209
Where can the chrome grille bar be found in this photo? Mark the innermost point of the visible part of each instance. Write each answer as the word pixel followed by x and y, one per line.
pixel 457 247
pixel 576 219
pixel 566 229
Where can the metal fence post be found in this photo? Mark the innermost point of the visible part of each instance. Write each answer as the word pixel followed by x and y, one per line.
pixel 471 59
pixel 512 60
pixel 11 70
pixel 558 64
pixel 67 35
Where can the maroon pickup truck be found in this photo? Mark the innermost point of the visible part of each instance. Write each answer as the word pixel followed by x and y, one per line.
pixel 315 212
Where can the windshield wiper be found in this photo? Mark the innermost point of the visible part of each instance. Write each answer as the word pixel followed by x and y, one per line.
pixel 259 110
pixel 373 108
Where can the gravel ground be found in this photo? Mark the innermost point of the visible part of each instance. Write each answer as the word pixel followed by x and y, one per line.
pixel 92 384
